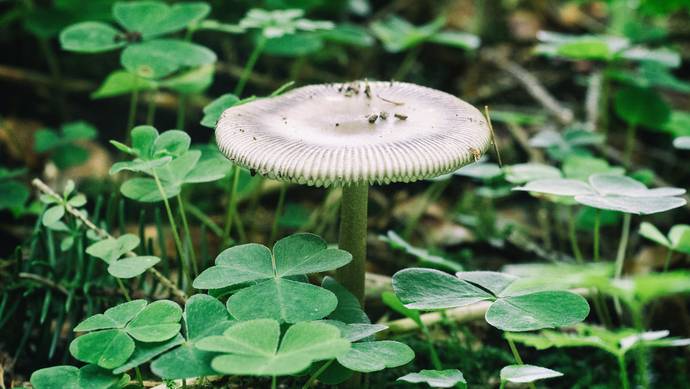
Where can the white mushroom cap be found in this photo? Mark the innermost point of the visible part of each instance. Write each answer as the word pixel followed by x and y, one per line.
pixel 359 132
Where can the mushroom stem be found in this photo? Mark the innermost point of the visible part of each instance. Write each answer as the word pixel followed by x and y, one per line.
pixel 353 238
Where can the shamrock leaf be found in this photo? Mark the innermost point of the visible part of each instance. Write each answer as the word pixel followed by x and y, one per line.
pixel 87 377
pixel 111 249
pixel 678 238
pixel 520 374
pixel 251 347
pixel 109 342
pixel 281 298
pixel 277 23
pixel 398 34
pixel 611 192
pixel 436 378
pixel 526 172
pixel 204 316
pixel 509 311
pixel 424 256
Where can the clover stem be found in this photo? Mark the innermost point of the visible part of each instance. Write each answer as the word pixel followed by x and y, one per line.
pixel 173 225
pixel 316 374
pixel 620 256
pixel 249 66
pixel 123 289
pixel 641 359
pixel 667 261
pixel 187 232
pixel 630 143
pixel 353 238
pixel 435 360
pixel 140 379
pixel 625 384
pixel 572 235
pixel 133 105
pixel 278 213
pixel 273 382
pixel 597 229
pixel 181 109
pixel 516 355
pixel 232 204
pixel 151 111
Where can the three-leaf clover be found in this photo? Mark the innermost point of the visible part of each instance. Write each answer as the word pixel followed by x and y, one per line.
pixel 252 347
pixel 62 146
pixel 436 378
pixel 600 48
pixel 167 159
pixel 276 289
pixel 111 336
pixel 611 192
pixel 112 251
pixel 398 34
pixel 678 238
pixel 509 310
pixel 204 316
pixel 571 141
pixel 86 377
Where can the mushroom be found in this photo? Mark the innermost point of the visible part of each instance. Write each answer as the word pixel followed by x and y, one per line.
pixel 354 135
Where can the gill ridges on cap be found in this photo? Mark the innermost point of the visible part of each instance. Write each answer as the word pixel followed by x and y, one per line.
pixel 373 132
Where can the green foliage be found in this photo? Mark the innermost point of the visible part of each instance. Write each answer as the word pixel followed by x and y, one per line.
pixel 603 48
pixel 165 158
pixel 214 109
pixel 159 58
pixel 524 172
pixel 278 23
pixel 641 107
pixel 111 336
pixel 424 256
pixel 678 238
pixel 277 278
pixel 571 141
pixel 63 145
pixel 204 316
pixel 111 251
pixel 509 311
pixel 520 374
pixel 13 194
pixel 616 342
pixel 87 377
pixel 610 192
pixel 437 378
pixel 251 347
pixel 398 34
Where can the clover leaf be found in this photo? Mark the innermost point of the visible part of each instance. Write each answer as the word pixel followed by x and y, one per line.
pixel 524 172
pixel 86 377
pixel 611 192
pixel 111 336
pixel 678 238
pixel 62 146
pixel 111 251
pixel 436 378
pixel 682 142
pixel 275 293
pixel 277 23
pixel 398 34
pixel 424 256
pixel 509 311
pixel 13 194
pixel 141 20
pixel 251 347
pixel 600 48
pixel 203 316
pixel 521 374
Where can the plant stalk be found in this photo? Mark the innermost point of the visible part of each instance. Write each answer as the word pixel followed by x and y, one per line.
pixel 597 230
pixel 625 384
pixel 173 225
pixel 187 232
pixel 572 235
pixel 249 66
pixel 278 213
pixel 353 238
pixel 181 110
pixel 232 204
pixel 620 256
pixel 517 356
pixel 316 374
pixel 134 100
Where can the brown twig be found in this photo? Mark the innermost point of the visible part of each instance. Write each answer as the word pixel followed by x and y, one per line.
pixel 106 235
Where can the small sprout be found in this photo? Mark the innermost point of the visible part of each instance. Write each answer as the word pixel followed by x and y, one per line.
pixel 372 118
pixel 400 116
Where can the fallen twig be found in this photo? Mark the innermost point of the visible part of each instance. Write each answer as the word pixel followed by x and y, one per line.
pixel 105 235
